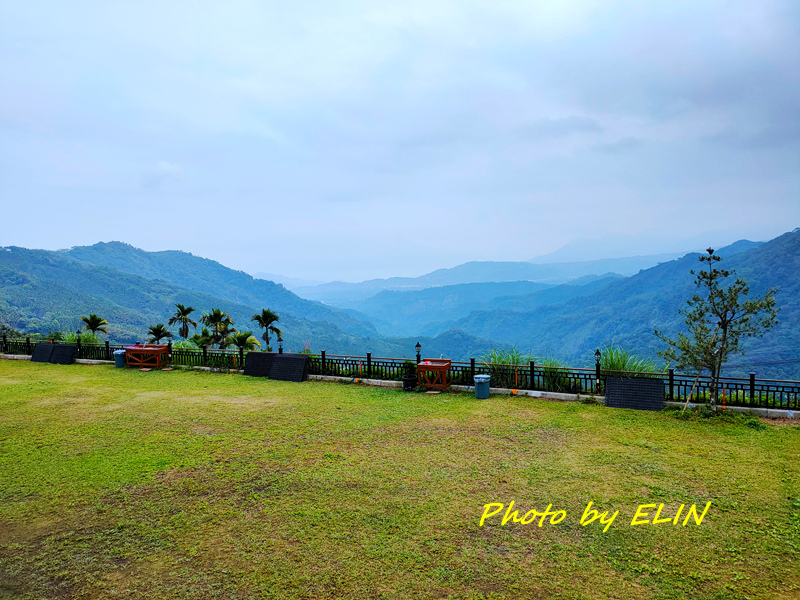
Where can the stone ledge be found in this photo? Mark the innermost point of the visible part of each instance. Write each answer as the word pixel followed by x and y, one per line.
pixel 768 413
pixel 370 382
pixel 15 356
pixel 558 396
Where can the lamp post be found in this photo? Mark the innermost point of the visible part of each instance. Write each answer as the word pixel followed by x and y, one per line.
pixel 419 356
pixel 597 357
pixel 280 345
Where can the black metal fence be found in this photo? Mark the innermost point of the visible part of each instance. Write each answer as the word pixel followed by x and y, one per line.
pixel 732 391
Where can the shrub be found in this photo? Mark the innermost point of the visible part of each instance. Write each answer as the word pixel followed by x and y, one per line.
pixel 185 345
pixel 87 337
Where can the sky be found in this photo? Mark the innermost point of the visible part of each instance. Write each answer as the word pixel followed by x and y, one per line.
pixel 351 140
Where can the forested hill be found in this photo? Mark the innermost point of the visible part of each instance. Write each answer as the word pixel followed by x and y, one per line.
pixel 210 277
pixel 626 311
pixel 43 291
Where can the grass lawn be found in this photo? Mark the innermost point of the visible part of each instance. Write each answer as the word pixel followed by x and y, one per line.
pixel 117 483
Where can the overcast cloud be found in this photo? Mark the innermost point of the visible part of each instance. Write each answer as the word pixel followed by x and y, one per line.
pixel 348 140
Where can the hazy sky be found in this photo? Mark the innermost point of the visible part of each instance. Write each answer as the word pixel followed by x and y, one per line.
pixel 347 140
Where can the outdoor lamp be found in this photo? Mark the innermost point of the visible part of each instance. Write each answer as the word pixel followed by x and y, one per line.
pixel 597 355
pixel 418 348
pixel 280 345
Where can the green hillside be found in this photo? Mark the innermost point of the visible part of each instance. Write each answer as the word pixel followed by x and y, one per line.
pixel 42 291
pixel 210 277
pixel 626 312
pixel 46 291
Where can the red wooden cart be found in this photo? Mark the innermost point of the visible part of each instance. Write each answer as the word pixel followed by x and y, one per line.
pixel 146 356
pixel 434 373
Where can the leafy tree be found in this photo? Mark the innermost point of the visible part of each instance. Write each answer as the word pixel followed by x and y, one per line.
pixel 717 321
pixel 182 317
pixel 245 340
pixel 220 324
pixel 266 321
pixel 158 333
pixel 94 324
pixel 9 331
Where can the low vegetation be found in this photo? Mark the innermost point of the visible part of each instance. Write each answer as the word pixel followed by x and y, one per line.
pixel 614 358
pixel 184 484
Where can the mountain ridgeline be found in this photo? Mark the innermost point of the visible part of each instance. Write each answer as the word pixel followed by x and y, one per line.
pixel 43 291
pixel 560 310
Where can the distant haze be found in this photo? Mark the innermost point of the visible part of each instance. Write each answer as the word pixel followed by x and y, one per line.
pixel 349 140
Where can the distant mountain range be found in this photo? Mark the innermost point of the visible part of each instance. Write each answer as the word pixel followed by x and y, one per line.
pixel 562 310
pixel 42 291
pixel 626 311
pixel 350 295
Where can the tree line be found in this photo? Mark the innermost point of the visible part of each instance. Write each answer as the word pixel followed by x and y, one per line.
pixel 219 328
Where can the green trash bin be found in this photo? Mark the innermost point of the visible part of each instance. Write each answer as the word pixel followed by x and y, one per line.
pixel 119 358
pixel 482 387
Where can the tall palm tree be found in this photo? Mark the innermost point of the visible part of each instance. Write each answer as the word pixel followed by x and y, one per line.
pixel 266 321
pixel 95 324
pixel 182 317
pixel 245 340
pixel 220 324
pixel 158 333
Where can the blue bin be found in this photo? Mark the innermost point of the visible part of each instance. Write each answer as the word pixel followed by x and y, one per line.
pixel 482 387
pixel 119 358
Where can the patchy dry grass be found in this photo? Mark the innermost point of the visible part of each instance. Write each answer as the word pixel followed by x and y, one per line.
pixel 116 483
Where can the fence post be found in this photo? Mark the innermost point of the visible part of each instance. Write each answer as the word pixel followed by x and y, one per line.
pixel 471 372
pixel 369 365
pixel 5 343
pixel 28 345
pixel 322 354
pixel 752 387
pixel 205 355
pixel 597 372
pixel 671 385
pixel 532 383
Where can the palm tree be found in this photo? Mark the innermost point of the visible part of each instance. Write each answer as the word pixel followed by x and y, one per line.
pixel 182 317
pixel 220 324
pixel 226 333
pixel 158 333
pixel 95 324
pixel 202 339
pixel 265 320
pixel 245 340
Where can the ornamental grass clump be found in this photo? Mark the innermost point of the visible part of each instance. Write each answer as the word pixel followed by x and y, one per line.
pixel 615 359
pixel 554 375
pixel 506 366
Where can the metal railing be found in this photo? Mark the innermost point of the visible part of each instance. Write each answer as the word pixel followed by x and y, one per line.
pixel 732 391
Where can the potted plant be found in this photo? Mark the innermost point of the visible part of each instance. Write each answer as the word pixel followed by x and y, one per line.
pixel 409 376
